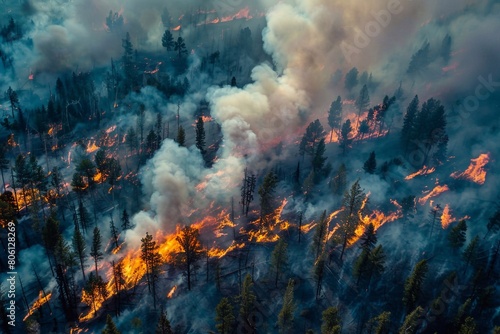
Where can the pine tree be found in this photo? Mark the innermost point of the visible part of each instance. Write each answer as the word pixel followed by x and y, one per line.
pixel 335 116
pixel 266 192
pixel 493 223
pixel 180 47
pixel 126 225
pixel 471 252
pixel 129 66
pixel 344 139
pixel 191 250
pixel 200 135
pixel 371 164
pixel 132 140
pixel 351 79
pixel 224 316
pixel 110 326
pixel 320 235
pixel 163 326
pixel 167 40
pixel 339 181
pixel 330 321
pixel 79 247
pixel 457 233
pixel 413 285
pixel 318 272
pixel 408 131
pixel 383 321
pixel 352 203
pixel 95 249
pixel 285 317
pixel 181 136
pixel 247 299
pixel 369 238
pixel 114 233
pixel 363 100
pixel 318 160
pixel 311 138
pixel 4 165
pixel 152 260
pixel 279 259
pixel 411 323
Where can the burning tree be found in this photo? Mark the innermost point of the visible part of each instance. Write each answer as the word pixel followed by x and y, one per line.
pixel 191 250
pixel 247 191
pixel 152 261
pixel 266 192
pixel 353 203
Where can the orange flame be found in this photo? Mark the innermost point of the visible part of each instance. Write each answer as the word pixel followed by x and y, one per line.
pixel 475 172
pixel 177 28
pixel 42 299
pixel 92 147
pixel 447 218
pixel 433 193
pixel 424 171
pixel 172 291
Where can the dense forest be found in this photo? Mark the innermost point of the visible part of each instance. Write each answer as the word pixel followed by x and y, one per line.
pixel 270 167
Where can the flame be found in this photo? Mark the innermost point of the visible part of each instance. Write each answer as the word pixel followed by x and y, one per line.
pixel 447 218
pixel 92 147
pixel 98 178
pixel 378 219
pixel 308 227
pixel 269 232
pixel 475 172
pixel 172 291
pixel 219 252
pixel 433 193
pixel 42 299
pixel 111 129
pixel 424 171
pixel 177 28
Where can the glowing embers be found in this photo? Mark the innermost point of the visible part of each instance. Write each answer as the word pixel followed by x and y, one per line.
pixel 42 299
pixel 475 172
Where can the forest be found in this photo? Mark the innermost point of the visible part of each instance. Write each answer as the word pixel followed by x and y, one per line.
pixel 296 166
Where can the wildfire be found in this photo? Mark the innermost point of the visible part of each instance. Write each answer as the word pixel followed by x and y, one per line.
pixel 111 129
pixel 378 219
pixel 268 230
pixel 308 227
pixel 475 172
pixel 92 147
pixel 447 218
pixel 424 171
pixel 177 28
pixel 219 252
pixel 172 291
pixel 42 299
pixel 438 190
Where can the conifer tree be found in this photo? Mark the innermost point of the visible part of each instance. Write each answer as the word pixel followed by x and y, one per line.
pixel 457 237
pixel 330 321
pixel 286 315
pixel 413 285
pixel 110 326
pixel 200 135
pixel 247 300
pixel 95 249
pixel 371 164
pixel 163 326
pixel 224 316
pixel 79 247
pixel 279 259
